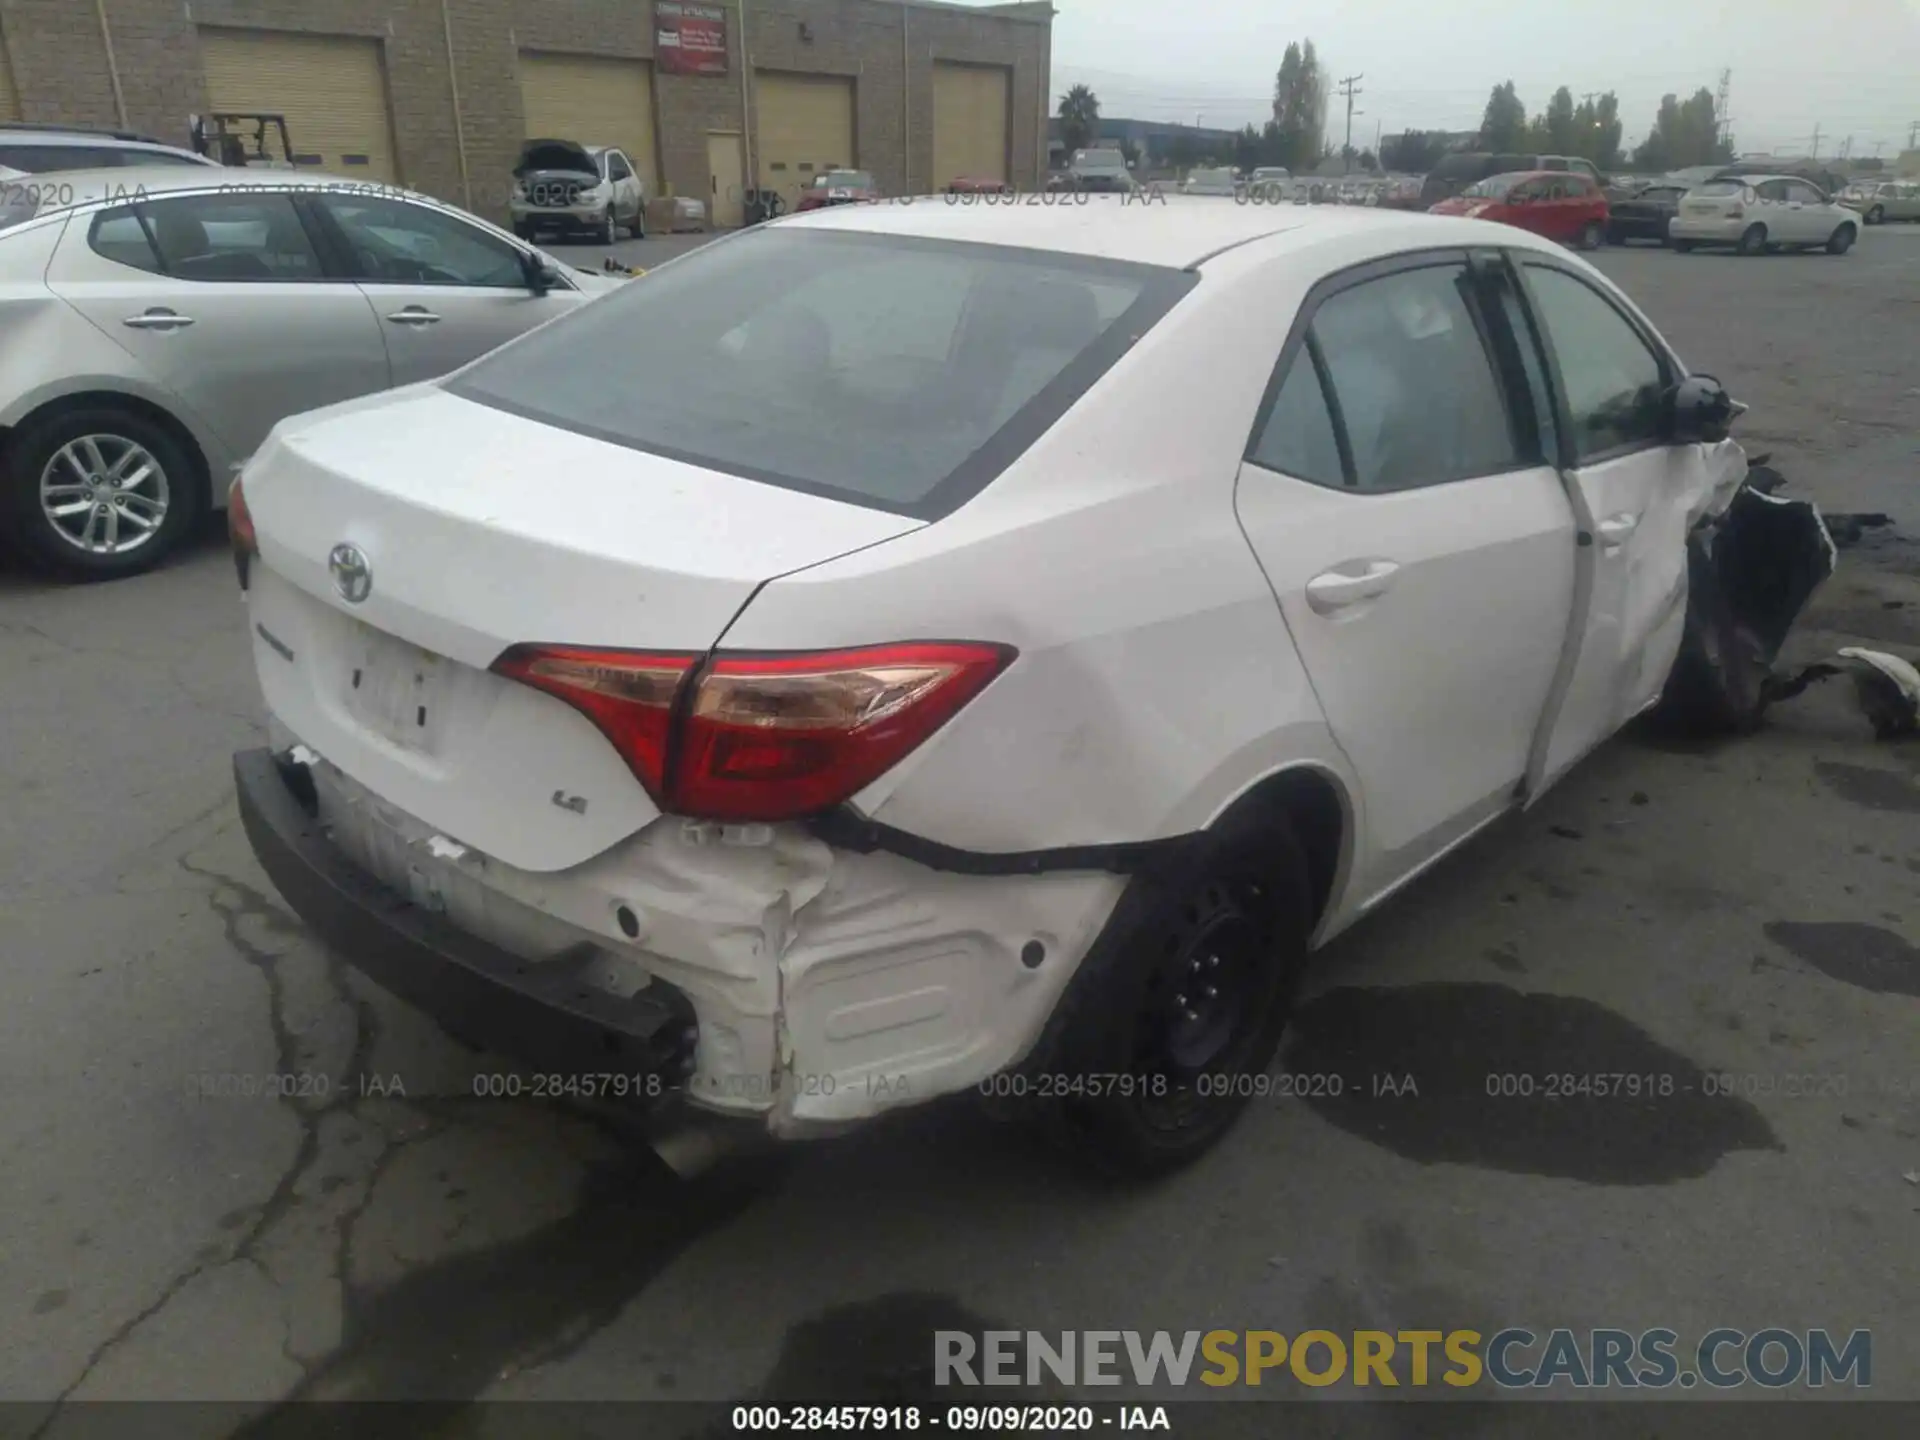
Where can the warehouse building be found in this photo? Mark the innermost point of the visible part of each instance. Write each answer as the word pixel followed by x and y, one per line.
pixel 438 95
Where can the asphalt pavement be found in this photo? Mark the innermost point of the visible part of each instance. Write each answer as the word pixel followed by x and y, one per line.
pixel 1747 912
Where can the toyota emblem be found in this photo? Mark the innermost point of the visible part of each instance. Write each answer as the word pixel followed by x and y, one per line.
pixel 352 574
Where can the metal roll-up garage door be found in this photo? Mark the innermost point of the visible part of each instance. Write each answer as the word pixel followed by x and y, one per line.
pixel 969 123
pixel 806 126
pixel 595 100
pixel 331 88
pixel 9 97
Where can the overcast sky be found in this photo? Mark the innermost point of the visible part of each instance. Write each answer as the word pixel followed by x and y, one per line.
pixel 1852 67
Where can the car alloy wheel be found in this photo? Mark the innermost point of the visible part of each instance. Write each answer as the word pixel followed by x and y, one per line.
pixel 105 494
pixel 610 228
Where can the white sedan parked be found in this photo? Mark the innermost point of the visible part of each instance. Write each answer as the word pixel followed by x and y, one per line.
pixel 869 696
pixel 1757 213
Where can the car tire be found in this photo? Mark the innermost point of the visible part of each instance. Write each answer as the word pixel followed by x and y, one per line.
pixel 1877 215
pixel 1592 235
pixel 1681 247
pixel 1754 241
pixel 638 230
pixel 1235 905
pixel 1841 240
pixel 51 452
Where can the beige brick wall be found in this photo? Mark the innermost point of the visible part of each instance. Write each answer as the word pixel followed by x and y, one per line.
pixel 59 61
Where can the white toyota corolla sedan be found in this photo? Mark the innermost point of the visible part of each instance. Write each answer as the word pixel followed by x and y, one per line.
pixel 962 646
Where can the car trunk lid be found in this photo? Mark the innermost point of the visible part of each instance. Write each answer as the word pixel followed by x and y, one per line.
pixel 471 530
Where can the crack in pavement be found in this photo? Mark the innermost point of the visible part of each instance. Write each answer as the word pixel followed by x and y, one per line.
pixel 235 901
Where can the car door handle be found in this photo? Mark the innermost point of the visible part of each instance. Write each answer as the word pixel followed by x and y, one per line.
pixel 1615 529
pixel 413 315
pixel 1337 589
pixel 158 318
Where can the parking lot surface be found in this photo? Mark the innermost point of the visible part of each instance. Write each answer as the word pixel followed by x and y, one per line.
pixel 1743 918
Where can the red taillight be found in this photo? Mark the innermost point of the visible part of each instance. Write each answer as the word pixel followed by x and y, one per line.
pixel 240 533
pixel 766 737
pixel 628 694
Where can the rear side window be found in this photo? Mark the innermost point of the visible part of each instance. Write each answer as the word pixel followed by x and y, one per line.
pixel 1298 437
pixel 44 159
pixel 892 372
pixel 118 235
pixel 232 237
pixel 1415 385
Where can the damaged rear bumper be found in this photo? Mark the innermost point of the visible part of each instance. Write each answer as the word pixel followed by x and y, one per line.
pixel 481 993
pixel 768 974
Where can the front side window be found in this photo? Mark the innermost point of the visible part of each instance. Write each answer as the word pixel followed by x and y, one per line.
pixel 891 372
pixel 394 243
pixel 1615 384
pixel 1803 193
pixel 1775 190
pixel 617 167
pixel 1413 380
pixel 243 236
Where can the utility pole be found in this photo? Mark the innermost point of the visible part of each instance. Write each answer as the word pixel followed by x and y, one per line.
pixel 1913 135
pixel 1349 87
pixel 1816 142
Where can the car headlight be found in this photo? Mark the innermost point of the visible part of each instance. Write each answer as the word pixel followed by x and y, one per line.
pixel 594 192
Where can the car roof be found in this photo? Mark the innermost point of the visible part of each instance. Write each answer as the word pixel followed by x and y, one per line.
pixel 1174 231
pixel 89 140
pixel 119 184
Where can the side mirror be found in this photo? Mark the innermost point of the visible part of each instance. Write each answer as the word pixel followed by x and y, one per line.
pixel 540 272
pixel 1700 412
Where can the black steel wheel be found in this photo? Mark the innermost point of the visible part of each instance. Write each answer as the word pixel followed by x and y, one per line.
pixel 1175 1015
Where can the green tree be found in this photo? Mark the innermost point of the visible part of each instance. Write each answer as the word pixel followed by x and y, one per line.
pixel 1246 149
pixel 1596 130
pixel 1079 118
pixel 1684 133
pixel 1412 153
pixel 1503 128
pixel 1561 133
pixel 1299 108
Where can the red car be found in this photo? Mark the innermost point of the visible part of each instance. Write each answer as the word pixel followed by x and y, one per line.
pixel 1562 205
pixel 838 187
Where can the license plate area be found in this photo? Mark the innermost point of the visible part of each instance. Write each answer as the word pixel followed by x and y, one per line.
pixel 394 689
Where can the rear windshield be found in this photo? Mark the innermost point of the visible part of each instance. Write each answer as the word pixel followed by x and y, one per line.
pixel 844 180
pixel 1722 187
pixel 897 373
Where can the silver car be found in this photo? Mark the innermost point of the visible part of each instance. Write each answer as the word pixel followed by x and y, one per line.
pixel 35 149
pixel 564 186
pixel 156 324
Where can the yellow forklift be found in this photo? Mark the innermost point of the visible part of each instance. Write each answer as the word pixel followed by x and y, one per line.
pixel 242 141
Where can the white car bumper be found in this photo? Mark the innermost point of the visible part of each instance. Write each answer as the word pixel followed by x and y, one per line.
pixel 1708 229
pixel 827 987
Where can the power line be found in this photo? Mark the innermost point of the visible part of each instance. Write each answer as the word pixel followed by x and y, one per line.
pixel 1349 87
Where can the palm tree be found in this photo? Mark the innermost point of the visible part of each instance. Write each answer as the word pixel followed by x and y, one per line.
pixel 1079 118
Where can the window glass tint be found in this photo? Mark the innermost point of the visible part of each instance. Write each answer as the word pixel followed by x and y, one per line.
pixel 403 244
pixel 617 167
pixel 119 236
pixel 1416 388
pixel 869 366
pixel 45 159
pixel 1804 193
pixel 159 157
pixel 232 237
pixel 1298 437
pixel 1772 190
pixel 1722 187
pixel 1615 384
pixel 1532 360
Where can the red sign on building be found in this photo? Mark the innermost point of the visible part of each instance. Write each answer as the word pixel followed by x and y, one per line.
pixel 689 39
